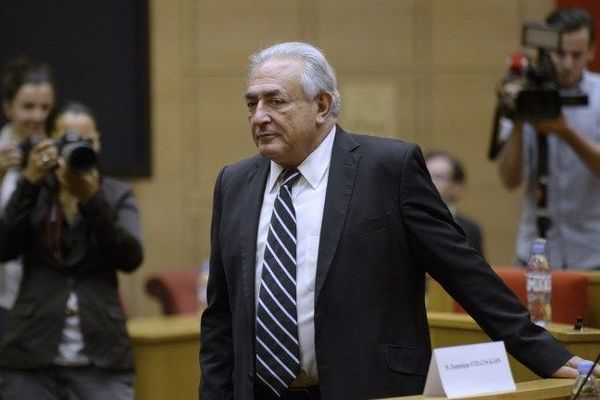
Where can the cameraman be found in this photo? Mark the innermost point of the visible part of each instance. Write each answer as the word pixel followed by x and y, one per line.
pixel 573 187
pixel 67 337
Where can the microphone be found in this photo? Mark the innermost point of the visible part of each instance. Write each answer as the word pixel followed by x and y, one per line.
pixel 518 63
pixel 576 395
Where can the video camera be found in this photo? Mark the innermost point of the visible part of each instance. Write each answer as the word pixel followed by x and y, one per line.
pixel 539 97
pixel 75 149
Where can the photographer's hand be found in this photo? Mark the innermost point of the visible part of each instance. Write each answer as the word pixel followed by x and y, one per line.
pixel 509 91
pixel 81 185
pixel 558 126
pixel 587 149
pixel 42 159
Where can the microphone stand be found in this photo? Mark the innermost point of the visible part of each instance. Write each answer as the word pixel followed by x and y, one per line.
pixel 542 217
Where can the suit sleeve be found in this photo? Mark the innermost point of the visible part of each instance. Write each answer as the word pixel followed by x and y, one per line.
pixel 216 342
pixel 437 244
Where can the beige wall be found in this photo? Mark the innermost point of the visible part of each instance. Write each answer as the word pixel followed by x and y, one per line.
pixel 421 70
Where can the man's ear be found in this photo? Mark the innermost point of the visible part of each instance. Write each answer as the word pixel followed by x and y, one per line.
pixel 324 102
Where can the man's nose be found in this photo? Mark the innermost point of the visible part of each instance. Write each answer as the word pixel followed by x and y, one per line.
pixel 261 114
pixel 567 61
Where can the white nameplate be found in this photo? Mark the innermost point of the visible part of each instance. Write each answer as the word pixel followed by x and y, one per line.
pixel 469 370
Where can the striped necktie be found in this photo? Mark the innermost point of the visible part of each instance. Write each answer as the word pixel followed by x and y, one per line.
pixel 277 350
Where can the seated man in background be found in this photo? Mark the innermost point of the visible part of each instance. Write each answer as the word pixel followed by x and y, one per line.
pixel 74 229
pixel 449 178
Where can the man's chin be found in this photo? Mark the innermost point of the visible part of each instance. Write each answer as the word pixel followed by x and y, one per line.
pixel 270 150
pixel 568 82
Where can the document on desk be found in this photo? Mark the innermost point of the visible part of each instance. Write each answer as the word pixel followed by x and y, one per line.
pixel 469 370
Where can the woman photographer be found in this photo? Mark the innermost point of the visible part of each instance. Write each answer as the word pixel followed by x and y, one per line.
pixel 27 98
pixel 67 337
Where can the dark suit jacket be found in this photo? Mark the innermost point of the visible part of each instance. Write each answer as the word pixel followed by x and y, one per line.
pixel 384 226
pixel 472 231
pixel 105 240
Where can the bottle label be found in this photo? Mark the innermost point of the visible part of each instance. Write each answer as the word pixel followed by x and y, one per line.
pixel 539 283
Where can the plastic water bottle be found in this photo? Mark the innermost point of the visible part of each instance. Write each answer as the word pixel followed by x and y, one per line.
pixel 590 390
pixel 539 284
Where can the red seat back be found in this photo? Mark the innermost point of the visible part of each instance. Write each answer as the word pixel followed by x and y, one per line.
pixel 176 290
pixel 569 293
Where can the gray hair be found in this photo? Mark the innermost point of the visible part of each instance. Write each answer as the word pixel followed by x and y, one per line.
pixel 318 75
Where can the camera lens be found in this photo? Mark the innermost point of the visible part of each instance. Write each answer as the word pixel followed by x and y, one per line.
pixel 80 156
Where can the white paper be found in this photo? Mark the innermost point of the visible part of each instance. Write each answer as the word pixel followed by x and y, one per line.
pixel 469 370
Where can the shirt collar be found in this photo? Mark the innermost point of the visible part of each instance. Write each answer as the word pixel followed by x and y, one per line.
pixel 313 168
pixel 452 210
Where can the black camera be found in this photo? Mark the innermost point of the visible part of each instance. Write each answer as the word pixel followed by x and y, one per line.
pixel 540 98
pixel 76 150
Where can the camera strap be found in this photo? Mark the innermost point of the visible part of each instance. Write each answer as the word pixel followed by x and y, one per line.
pixel 543 221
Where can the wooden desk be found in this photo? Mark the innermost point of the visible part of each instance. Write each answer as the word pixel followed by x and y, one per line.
pixel 439 300
pixel 450 329
pixel 166 357
pixel 546 389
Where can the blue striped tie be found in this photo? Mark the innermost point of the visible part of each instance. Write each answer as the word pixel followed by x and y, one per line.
pixel 277 350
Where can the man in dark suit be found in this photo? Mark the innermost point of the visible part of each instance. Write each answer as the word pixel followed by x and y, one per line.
pixel 448 176
pixel 363 226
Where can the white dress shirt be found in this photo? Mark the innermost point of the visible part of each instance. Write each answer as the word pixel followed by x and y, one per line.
pixel 308 196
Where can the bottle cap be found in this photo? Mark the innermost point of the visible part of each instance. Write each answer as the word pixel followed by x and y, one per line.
pixel 538 246
pixel 584 366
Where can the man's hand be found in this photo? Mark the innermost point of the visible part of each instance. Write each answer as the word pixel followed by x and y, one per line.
pixel 81 185
pixel 558 126
pixel 509 91
pixel 569 370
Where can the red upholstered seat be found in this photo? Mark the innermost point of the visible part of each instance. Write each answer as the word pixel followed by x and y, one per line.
pixel 176 290
pixel 569 293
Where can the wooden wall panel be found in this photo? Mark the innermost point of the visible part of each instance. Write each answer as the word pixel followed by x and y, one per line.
pixel 382 106
pixel 224 33
pixel 364 34
pixel 423 71
pixel 217 134
pixel 466 35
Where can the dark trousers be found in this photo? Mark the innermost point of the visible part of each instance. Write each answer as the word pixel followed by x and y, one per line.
pixel 66 383
pixel 262 392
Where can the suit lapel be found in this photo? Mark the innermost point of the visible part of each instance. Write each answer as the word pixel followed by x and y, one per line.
pixel 340 185
pixel 254 191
